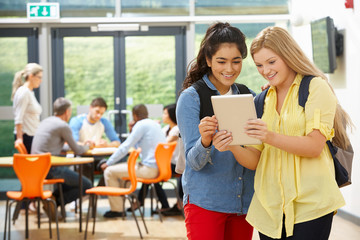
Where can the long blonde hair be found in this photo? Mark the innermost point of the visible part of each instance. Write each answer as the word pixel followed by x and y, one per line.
pixel 30 68
pixel 280 41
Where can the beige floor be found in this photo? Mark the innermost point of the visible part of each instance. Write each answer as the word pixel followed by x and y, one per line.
pixel 172 228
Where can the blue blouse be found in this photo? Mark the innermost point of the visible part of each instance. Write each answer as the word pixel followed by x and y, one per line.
pixel 212 180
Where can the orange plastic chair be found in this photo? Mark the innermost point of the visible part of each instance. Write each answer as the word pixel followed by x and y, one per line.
pixel 22 150
pixel 163 155
pixel 21 147
pixel 31 171
pixel 115 191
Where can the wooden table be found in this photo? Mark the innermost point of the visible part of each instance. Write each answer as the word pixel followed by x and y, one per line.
pixel 108 151
pixel 98 154
pixel 56 162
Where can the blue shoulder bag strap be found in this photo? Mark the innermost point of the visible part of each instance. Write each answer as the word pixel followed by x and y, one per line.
pixel 341 174
pixel 304 90
pixel 259 103
pixel 303 96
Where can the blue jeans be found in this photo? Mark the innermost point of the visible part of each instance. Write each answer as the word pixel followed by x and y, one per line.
pixel 71 185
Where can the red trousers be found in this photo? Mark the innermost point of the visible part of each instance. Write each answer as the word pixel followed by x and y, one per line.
pixel 209 225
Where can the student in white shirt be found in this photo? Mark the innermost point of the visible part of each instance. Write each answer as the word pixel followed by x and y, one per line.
pixel 92 126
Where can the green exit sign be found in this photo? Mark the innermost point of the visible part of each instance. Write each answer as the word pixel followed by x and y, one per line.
pixel 43 11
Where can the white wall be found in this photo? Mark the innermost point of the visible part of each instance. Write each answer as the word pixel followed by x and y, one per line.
pixel 346 79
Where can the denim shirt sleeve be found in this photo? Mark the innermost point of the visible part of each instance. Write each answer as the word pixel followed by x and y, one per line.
pixel 188 112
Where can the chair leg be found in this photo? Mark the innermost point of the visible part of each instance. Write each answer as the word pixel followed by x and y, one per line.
pixel 38 212
pixel 94 209
pixel 9 219
pixel 63 212
pixel 134 197
pixel 49 215
pixel 76 206
pixel 6 216
pixel 123 217
pixel 56 218
pixel 93 212
pixel 157 200
pixel 151 199
pixel 26 219
pixel 88 214
pixel 144 196
pixel 133 213
pixel 16 212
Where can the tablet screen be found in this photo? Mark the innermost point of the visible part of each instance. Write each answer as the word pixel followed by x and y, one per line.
pixel 232 113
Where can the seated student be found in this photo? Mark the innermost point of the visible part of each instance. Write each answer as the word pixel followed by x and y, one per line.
pixel 171 132
pixel 91 126
pixel 51 136
pixel 145 134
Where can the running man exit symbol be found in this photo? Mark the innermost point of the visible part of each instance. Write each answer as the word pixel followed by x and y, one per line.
pixel 43 10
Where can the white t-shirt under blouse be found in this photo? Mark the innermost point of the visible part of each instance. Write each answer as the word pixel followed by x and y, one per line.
pixel 27 110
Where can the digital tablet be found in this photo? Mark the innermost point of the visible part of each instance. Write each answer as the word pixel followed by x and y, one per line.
pixel 232 113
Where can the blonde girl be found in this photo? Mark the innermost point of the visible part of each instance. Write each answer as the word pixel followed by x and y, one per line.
pixel 26 108
pixel 295 189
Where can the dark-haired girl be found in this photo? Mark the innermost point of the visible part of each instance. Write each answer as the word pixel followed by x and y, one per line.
pixel 217 189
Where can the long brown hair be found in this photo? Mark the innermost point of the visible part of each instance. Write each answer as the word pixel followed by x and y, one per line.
pixel 215 35
pixel 280 41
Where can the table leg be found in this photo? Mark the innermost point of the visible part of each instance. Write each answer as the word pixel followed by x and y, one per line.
pixel 92 172
pixel 80 197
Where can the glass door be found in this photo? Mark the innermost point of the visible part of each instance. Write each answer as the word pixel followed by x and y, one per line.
pixel 150 72
pixel 123 67
pixel 17 48
pixel 89 70
pixel 83 67
pixel 155 68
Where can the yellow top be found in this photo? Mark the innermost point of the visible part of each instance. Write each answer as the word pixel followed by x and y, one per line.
pixel 301 188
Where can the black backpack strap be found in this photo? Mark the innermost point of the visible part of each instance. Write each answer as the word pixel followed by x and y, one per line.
pixel 242 88
pixel 259 103
pixel 303 96
pixel 304 90
pixel 332 148
pixel 205 94
pixel 341 174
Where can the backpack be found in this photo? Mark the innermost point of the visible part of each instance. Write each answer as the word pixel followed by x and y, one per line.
pixel 206 109
pixel 205 94
pixel 342 157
